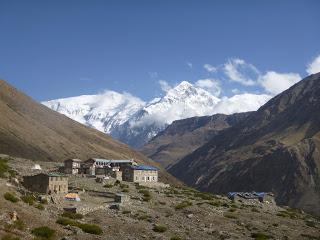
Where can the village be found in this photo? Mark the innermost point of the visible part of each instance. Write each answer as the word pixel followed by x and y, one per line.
pixel 89 199
pixel 64 185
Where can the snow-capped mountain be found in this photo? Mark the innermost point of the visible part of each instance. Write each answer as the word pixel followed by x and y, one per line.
pixel 132 121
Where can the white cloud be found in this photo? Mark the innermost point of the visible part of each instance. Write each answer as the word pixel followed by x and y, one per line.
pixel 314 66
pixel 274 83
pixel 189 64
pixel 241 103
pixel 238 70
pixel 210 68
pixel 165 86
pixel 209 84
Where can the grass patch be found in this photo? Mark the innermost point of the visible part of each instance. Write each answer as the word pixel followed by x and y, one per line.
pixel 29 199
pixel 232 210
pixel 122 185
pixel 4 168
pixel 88 228
pixel 310 223
pixel 39 206
pixel 43 232
pixel 182 205
pixel 146 195
pixel 287 214
pixel 254 210
pixel 91 228
pixel 175 238
pixel 159 228
pixel 10 197
pixel 9 237
pixel 126 212
pixel 260 236
pixel 229 215
pixel 72 215
pixel 19 224
pixel 108 185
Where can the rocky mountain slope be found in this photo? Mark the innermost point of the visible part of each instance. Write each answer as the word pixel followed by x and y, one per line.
pixel 277 148
pixel 149 213
pixel 182 137
pixel 31 130
pixel 135 122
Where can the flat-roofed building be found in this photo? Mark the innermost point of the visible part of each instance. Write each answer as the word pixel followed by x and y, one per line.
pixel 140 173
pixel 72 166
pixel 98 166
pixel 46 183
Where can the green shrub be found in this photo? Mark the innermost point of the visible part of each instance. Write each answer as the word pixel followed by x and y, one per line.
pixel 159 228
pixel 162 203
pixel 232 210
pixel 125 190
pixel 183 204
pixel 66 221
pixel 203 196
pixel 145 217
pixel 88 228
pixel 4 168
pixel 18 224
pixel 108 185
pixel 260 236
pixel 175 238
pixel 44 201
pixel 10 197
pixel 146 195
pixel 117 182
pixel 9 237
pixel 310 223
pixel 43 232
pixel 72 215
pixel 40 206
pixel 29 199
pixel 254 210
pixel 122 185
pixel 229 215
pixel 91 228
pixel 126 212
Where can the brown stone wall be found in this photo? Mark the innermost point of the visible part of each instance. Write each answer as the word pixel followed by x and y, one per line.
pixel 38 183
pixel 58 184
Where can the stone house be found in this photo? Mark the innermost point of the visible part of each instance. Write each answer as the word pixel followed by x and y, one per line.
pixel 97 166
pixel 46 183
pixel 140 173
pixel 72 166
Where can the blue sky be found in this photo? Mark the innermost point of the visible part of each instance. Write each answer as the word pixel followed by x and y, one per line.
pixel 54 49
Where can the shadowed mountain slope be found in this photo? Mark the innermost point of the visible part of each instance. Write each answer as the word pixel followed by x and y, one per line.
pixel 182 137
pixel 277 148
pixel 31 130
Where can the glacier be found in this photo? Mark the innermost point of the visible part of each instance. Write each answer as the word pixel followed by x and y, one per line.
pixel 134 121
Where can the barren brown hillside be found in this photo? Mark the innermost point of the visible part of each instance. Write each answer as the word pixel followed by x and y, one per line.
pixel 31 130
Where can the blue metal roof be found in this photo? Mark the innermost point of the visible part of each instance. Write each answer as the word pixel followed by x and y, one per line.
pixel 112 160
pixel 144 167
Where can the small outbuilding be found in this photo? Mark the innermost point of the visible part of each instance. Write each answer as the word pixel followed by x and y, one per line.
pixel 72 166
pixel 72 197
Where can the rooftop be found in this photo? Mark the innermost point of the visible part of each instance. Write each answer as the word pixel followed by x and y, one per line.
pixel 112 160
pixel 144 167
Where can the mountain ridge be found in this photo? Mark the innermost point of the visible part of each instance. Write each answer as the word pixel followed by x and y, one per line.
pixel 275 149
pixel 135 122
pixel 184 136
